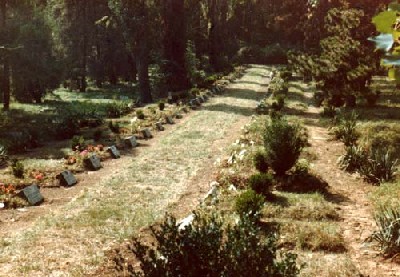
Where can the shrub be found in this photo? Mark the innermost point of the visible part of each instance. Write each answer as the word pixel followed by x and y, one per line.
pixel 260 162
pixel 140 114
pixel 261 183
pixel 161 105
pixel 78 143
pixel 114 127
pixel 249 203
pixel 388 233
pixel 68 127
pixel 206 248
pixel 381 167
pixel 117 109
pixel 354 158
pixel 346 130
pixel 97 135
pixel 18 169
pixel 283 144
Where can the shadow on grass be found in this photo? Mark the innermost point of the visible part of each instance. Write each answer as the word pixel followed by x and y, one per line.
pixel 308 183
pixel 230 109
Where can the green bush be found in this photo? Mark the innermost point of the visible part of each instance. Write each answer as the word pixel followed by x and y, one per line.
pixel 388 233
pixel 97 135
pixel 260 162
pixel 18 169
pixel 249 203
pixel 354 158
pixel 261 183
pixel 381 167
pixel 346 130
pixel 68 126
pixel 207 248
pixel 117 109
pixel 283 144
pixel 78 143
pixel 140 114
pixel 161 105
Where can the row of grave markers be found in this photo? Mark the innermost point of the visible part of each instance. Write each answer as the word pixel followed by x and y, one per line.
pixel 67 179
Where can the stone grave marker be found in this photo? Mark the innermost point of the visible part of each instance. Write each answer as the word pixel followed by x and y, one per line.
pixel 67 179
pixel 200 99
pixel 131 142
pixel 178 116
pixel 159 126
pixel 197 102
pixel 32 195
pixel 147 134
pixel 169 120
pixel 193 104
pixel 93 162
pixel 115 154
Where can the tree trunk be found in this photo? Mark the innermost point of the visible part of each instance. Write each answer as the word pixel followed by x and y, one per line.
pixel 175 45
pixel 142 64
pixel 83 83
pixel 5 78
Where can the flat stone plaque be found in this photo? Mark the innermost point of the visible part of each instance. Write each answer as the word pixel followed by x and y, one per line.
pixel 159 126
pixel 93 163
pixel 115 154
pixel 131 142
pixel 67 179
pixel 169 120
pixel 147 134
pixel 32 195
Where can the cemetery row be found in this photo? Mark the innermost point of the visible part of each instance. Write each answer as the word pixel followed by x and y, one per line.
pixel 92 161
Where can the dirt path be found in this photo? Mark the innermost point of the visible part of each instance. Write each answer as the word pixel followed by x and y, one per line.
pixel 354 207
pixel 71 235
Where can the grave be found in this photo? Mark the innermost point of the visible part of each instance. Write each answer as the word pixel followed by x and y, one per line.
pixel 200 99
pixel 131 142
pixel 67 179
pixel 159 126
pixel 169 120
pixel 115 154
pixel 193 104
pixel 197 102
pixel 146 134
pixel 92 162
pixel 32 195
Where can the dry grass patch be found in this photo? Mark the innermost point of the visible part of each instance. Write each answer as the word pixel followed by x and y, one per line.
pixel 294 206
pixel 386 195
pixel 327 265
pixel 314 236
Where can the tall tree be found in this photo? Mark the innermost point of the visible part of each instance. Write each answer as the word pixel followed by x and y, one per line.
pixel 174 42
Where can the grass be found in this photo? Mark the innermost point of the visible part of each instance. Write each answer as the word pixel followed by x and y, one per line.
pixel 312 207
pixel 314 236
pixel 118 205
pixel 386 195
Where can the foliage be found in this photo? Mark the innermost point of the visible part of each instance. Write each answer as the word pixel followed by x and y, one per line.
pixel 18 169
pixel 207 248
pixel 117 109
pixel 346 129
pixel 249 203
pixel 388 233
pixel 140 114
pixel 354 159
pixel 114 127
pixel 97 135
pixel 161 105
pixel 78 143
pixel 3 155
pixel 380 167
pixel 261 183
pixel 283 144
pixel 259 161
pixel 344 64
